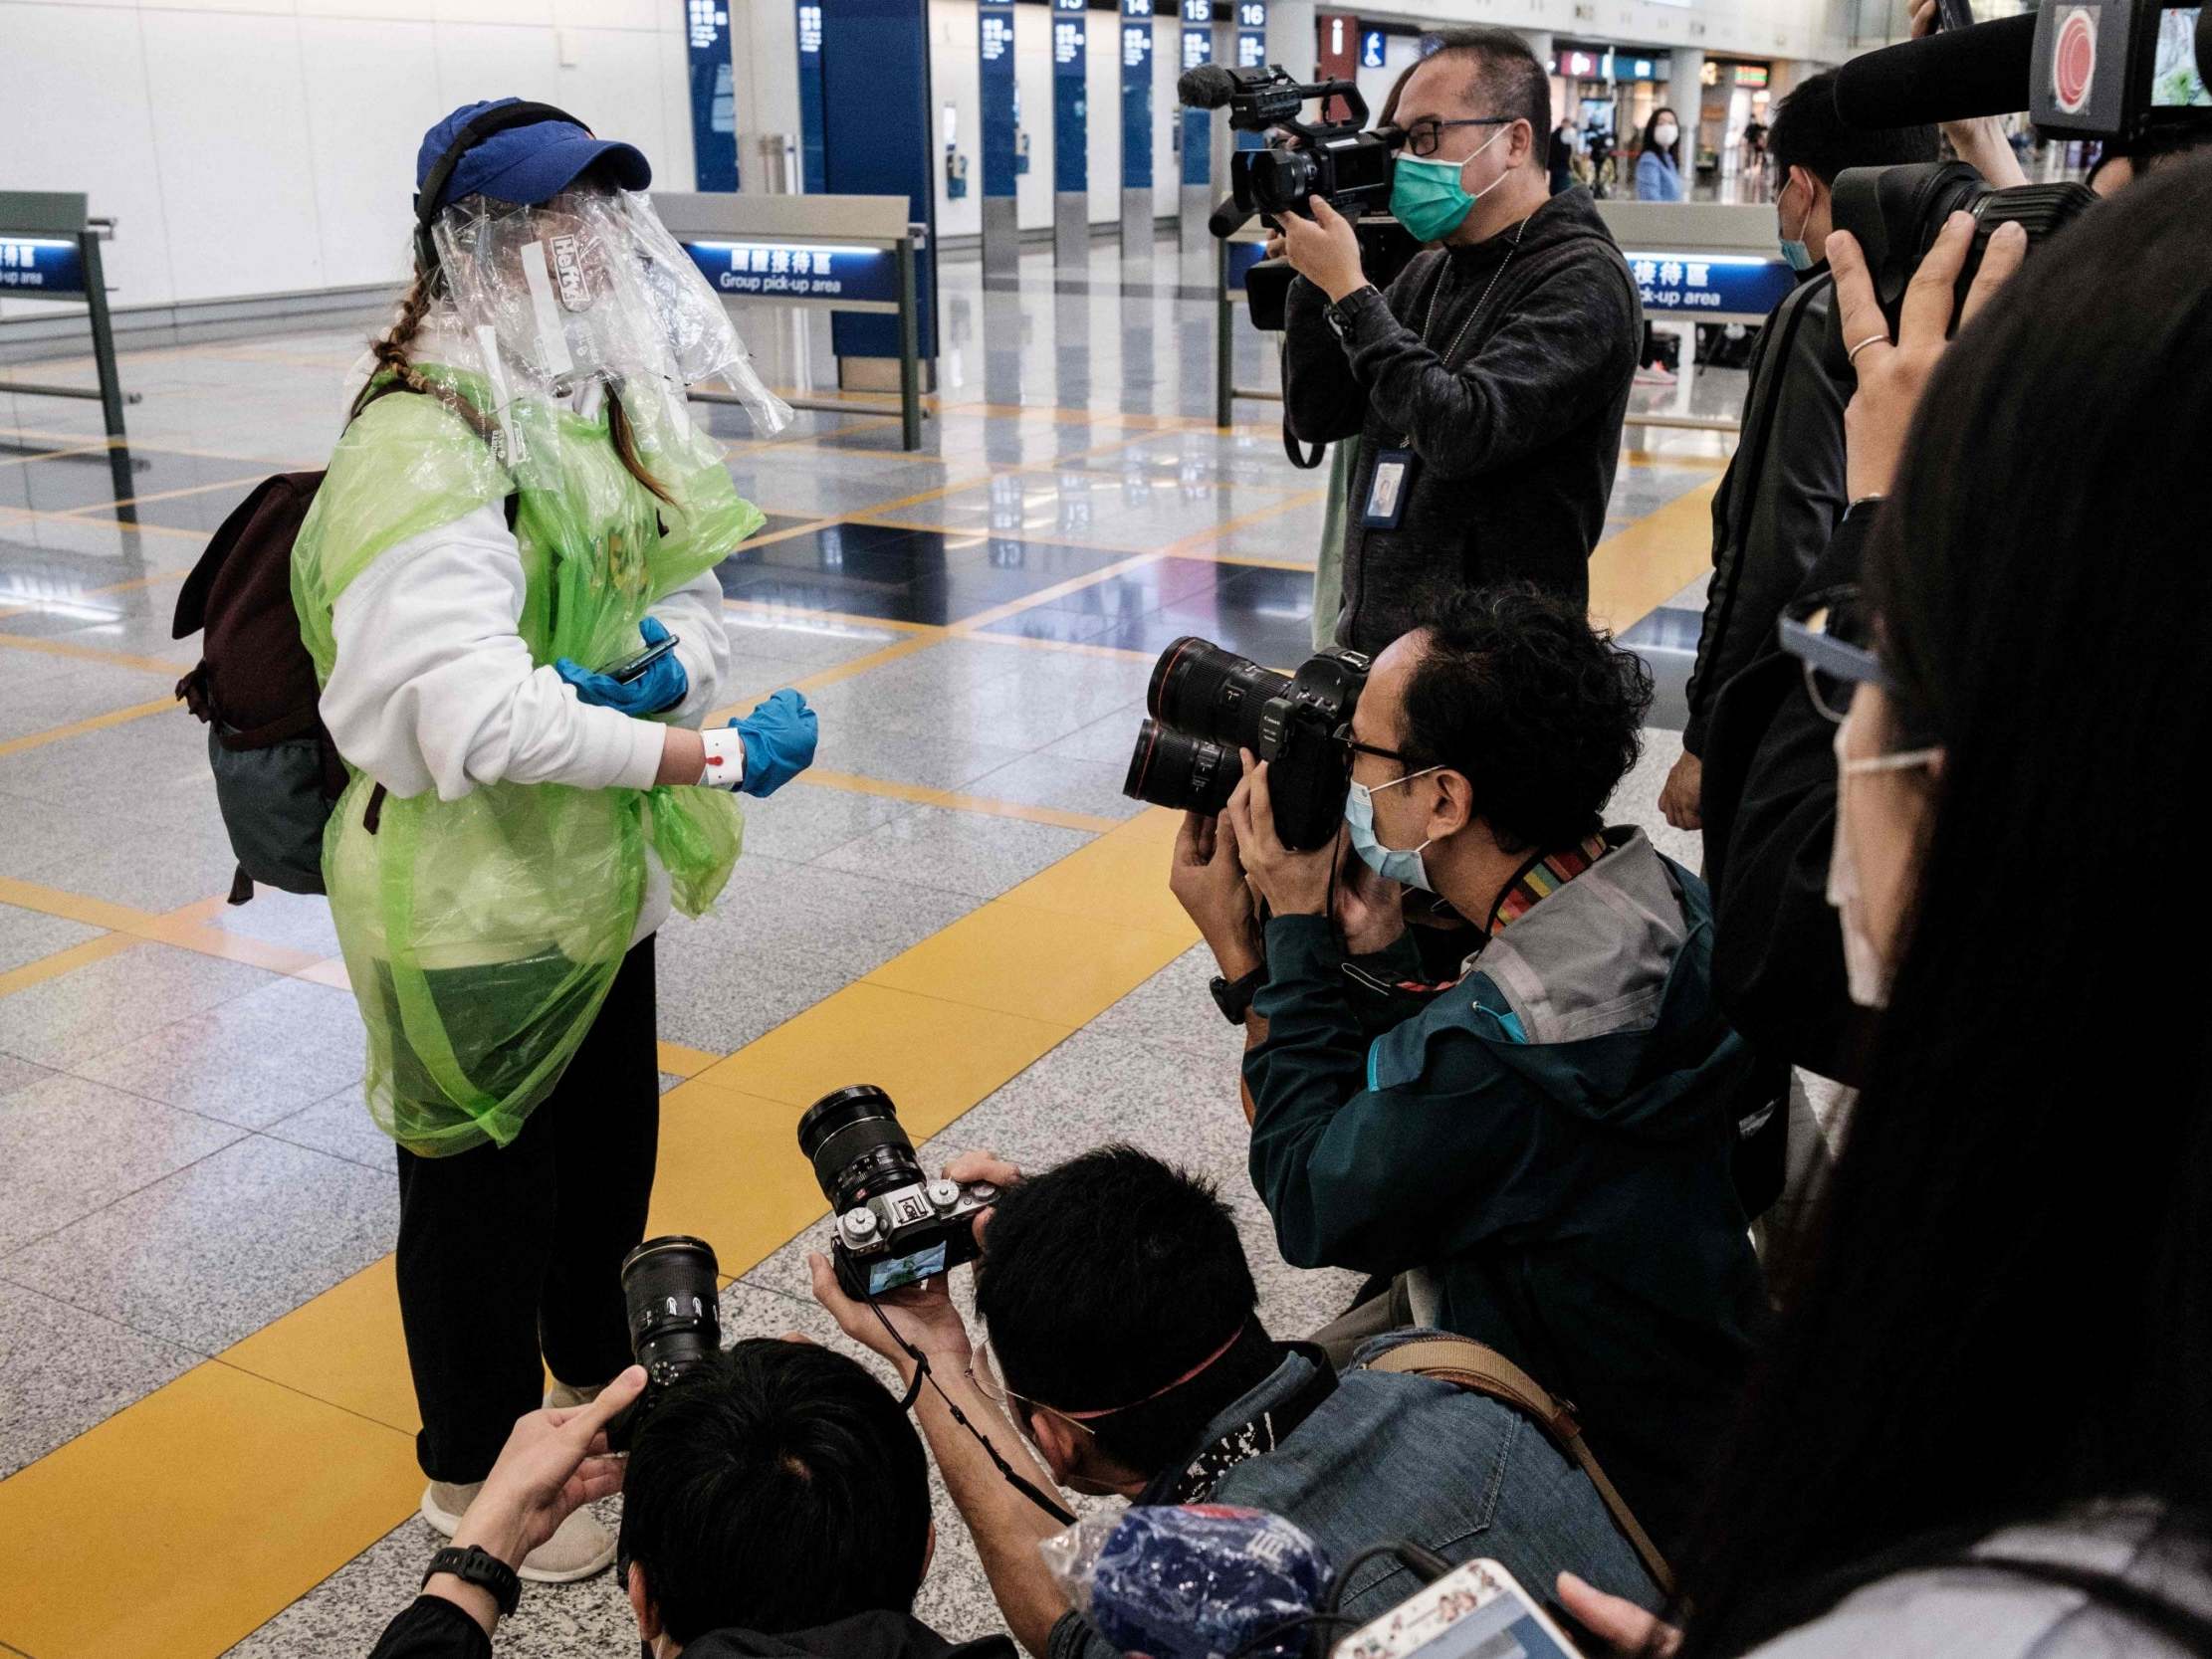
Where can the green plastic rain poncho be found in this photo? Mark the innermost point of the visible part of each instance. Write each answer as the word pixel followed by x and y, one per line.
pixel 481 935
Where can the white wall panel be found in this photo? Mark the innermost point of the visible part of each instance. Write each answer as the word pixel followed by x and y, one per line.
pixel 74 117
pixel 954 81
pixel 1032 72
pixel 230 123
pixel 1102 95
pixel 534 13
pixel 482 59
pixel 374 101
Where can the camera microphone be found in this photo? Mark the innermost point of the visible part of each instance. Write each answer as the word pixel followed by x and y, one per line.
pixel 1952 76
pixel 1227 219
pixel 1206 86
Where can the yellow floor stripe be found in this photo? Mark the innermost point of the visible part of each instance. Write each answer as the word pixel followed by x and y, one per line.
pixel 822 778
pixel 1635 573
pixel 290 1453
pixel 678 1061
pixel 91 654
pixel 63 961
pixel 97 722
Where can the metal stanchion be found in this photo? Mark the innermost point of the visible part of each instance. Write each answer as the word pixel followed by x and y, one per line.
pixel 910 351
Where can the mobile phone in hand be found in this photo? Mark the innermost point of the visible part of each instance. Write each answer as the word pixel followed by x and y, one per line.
pixel 629 668
pixel 1475 1611
pixel 1954 14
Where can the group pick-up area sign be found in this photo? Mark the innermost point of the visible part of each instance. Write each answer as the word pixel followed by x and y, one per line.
pixel 798 271
pixel 46 264
pixel 1735 285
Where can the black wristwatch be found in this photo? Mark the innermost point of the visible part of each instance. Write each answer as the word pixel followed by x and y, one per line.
pixel 479 1567
pixel 1339 314
pixel 1235 996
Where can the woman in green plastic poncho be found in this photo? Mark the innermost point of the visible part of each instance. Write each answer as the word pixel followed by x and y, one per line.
pixel 520 502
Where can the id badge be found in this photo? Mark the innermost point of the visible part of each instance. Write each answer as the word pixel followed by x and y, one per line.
pixel 1387 489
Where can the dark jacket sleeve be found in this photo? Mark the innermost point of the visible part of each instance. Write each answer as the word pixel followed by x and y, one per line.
pixel 1789 509
pixel 1323 402
pixel 1566 351
pixel 1373 1178
pixel 1770 788
pixel 432 1628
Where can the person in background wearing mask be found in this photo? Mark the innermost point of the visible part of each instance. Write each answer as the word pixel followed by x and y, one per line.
pixel 1659 163
pixel 1983 1430
pixel 1487 389
pixel 1784 490
pixel 1560 157
pixel 1538 1153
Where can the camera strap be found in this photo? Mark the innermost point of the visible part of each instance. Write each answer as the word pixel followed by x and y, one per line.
pixel 924 1374
pixel 1489 287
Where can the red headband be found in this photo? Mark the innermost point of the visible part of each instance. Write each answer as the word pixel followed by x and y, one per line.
pixel 1110 1410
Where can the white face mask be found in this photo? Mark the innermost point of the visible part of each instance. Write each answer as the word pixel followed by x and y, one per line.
pixel 1866 971
pixel 1664 134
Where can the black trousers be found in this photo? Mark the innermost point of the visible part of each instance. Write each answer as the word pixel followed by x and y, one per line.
pixel 507 1254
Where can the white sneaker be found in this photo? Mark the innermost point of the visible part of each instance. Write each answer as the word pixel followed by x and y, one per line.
pixel 1655 374
pixel 578 1549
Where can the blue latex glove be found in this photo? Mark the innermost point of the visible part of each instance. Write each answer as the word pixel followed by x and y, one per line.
pixel 662 686
pixel 778 738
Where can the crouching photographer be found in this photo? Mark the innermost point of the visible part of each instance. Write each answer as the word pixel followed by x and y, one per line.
pixel 1124 1343
pixel 1541 1153
pixel 776 1498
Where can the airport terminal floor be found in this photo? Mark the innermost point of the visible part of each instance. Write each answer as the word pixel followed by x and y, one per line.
pixel 205 1414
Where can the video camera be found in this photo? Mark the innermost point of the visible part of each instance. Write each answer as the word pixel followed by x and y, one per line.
pixel 1342 162
pixel 1206 704
pixel 2115 70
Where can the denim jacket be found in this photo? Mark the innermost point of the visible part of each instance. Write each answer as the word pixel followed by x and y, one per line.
pixel 1388 1457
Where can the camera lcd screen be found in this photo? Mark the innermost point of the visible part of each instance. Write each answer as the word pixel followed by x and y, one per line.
pixel 2176 78
pixel 900 1271
pixel 1500 1629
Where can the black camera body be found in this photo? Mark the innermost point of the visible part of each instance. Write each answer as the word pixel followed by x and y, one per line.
pixel 671 1297
pixel 895 1227
pixel 1206 704
pixel 1897 212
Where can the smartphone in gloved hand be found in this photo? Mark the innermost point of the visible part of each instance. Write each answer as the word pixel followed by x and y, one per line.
pixel 629 668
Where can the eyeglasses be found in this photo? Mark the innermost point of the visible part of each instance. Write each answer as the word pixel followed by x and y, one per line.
pixel 1821 631
pixel 1343 734
pixel 1423 137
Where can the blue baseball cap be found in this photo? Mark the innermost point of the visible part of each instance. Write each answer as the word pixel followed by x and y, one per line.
pixel 524 164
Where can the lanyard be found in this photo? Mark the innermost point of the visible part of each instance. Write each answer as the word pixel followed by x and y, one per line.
pixel 1442 276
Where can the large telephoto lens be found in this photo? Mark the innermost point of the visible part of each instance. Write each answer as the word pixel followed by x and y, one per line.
pixel 669 1295
pixel 1182 772
pixel 854 1142
pixel 1201 688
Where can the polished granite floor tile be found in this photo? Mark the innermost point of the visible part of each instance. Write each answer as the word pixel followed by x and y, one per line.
pixel 26 935
pixel 956 852
pixel 69 482
pixel 72 690
pixel 249 1061
pixel 69 1147
pixel 300 921
pixel 211 1254
pixel 103 1006
pixel 1257 612
pixel 341 1125
pixel 940 760
pixel 1174 1008
pixel 761 636
pixel 200 512
pixel 64 1371
pixel 1087 786
pixel 165 857
pixel 903 575
pixel 801 823
pixel 139 765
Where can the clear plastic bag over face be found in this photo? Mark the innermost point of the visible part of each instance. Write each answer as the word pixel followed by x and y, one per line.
pixel 1195 1581
pixel 586 285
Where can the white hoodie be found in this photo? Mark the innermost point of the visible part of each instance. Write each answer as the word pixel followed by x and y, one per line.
pixel 434 689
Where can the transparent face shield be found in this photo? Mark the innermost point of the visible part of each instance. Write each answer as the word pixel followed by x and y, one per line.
pixel 588 286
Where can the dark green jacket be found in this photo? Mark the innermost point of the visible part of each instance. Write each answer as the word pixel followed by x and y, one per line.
pixel 1544 1149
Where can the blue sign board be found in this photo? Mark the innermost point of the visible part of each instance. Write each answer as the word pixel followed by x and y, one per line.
pixel 1070 108
pixel 1737 284
pixel 1198 48
pixel 798 270
pixel 1370 49
pixel 995 69
pixel 880 123
pixel 40 265
pixel 814 170
pixel 714 101
pixel 1251 53
pixel 1136 95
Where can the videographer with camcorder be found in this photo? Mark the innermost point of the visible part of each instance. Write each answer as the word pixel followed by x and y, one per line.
pixel 1124 1341
pixel 1488 384
pixel 1540 1151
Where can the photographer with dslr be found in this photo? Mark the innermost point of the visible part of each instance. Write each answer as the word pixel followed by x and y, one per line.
pixel 776 1503
pixel 1124 1342
pixel 1541 1152
pixel 1487 386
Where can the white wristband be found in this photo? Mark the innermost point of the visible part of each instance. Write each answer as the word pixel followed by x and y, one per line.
pixel 725 767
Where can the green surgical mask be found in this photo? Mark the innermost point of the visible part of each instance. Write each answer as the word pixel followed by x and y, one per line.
pixel 1427 197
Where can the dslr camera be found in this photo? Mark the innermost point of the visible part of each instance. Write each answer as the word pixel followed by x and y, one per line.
pixel 1342 162
pixel 895 1227
pixel 670 1297
pixel 1205 704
